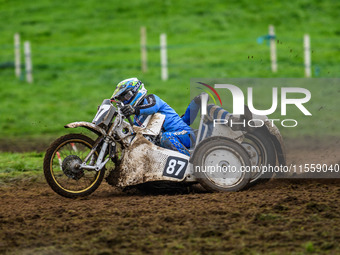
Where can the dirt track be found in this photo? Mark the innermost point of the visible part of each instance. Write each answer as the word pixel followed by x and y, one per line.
pixel 279 217
pixel 282 216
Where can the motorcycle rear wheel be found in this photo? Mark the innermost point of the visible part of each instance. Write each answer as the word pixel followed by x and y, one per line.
pixel 61 166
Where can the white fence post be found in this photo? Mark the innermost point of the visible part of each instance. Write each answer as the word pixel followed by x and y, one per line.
pixel 164 59
pixel 17 64
pixel 307 50
pixel 28 62
pixel 273 57
pixel 143 49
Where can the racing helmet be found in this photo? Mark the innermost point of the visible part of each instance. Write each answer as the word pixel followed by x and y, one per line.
pixel 129 91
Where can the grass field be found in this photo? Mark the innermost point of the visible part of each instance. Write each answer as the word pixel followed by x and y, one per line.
pixel 19 166
pixel 81 49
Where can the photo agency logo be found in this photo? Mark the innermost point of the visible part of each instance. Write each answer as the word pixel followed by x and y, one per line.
pixel 256 117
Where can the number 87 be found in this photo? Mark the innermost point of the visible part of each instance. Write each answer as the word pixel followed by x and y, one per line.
pixel 172 166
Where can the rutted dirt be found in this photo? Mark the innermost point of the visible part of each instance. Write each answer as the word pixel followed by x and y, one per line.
pixel 279 217
pixel 282 216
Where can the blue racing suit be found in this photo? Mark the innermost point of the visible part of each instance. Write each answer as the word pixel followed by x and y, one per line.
pixel 191 113
pixel 214 111
pixel 177 134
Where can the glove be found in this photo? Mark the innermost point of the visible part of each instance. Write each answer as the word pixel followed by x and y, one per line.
pixel 128 110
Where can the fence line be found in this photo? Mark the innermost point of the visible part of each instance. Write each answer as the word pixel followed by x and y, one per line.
pixel 285 41
pixel 134 64
pixel 131 63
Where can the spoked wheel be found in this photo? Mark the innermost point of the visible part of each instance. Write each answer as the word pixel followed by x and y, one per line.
pixel 261 152
pixel 62 166
pixel 221 165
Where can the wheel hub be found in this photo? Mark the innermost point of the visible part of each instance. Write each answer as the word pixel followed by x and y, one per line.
pixel 224 164
pixel 227 173
pixel 71 167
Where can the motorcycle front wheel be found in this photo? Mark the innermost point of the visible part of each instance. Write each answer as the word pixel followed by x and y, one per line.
pixel 61 166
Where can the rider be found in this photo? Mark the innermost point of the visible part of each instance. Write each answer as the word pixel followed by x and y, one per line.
pixel 177 135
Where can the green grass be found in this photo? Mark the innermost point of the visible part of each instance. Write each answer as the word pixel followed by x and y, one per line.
pixel 14 166
pixel 81 49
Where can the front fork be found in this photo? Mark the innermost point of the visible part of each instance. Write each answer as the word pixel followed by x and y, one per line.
pixel 100 162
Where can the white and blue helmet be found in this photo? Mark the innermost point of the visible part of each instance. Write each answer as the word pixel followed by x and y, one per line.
pixel 130 91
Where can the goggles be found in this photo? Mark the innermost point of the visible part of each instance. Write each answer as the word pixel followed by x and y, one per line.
pixel 125 96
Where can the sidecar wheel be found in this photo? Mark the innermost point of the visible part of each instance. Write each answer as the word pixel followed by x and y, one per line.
pixel 261 152
pixel 221 164
pixel 61 169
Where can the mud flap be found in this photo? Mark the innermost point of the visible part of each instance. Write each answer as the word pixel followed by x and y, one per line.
pixel 277 140
pixel 275 136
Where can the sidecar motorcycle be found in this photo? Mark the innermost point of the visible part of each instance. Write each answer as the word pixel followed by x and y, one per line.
pixel 75 164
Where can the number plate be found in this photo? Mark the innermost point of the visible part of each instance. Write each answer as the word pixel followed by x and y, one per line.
pixel 175 167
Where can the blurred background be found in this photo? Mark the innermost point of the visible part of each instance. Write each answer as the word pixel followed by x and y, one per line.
pixel 80 50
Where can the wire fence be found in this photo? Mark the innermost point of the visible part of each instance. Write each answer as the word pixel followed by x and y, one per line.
pixel 199 55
